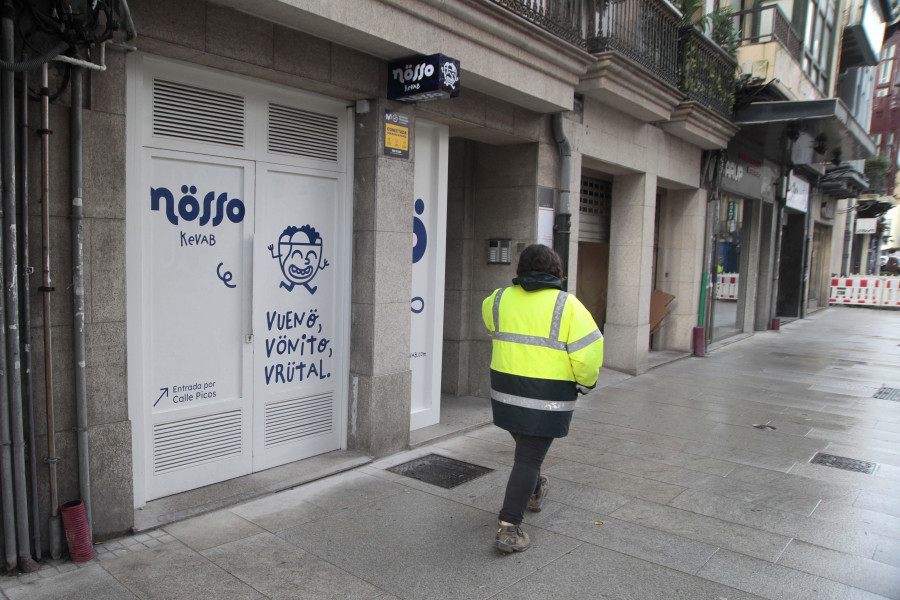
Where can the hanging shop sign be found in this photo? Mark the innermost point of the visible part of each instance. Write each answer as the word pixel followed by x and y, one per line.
pixel 396 134
pixel 742 174
pixel 869 226
pixel 797 195
pixel 423 78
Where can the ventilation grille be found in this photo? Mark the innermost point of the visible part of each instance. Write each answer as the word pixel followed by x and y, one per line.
pixel 302 133
pixel 191 113
pixel 842 462
pixel 187 443
pixel 291 420
pixel 886 393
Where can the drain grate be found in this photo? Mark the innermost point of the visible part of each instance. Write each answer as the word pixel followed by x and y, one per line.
pixel 440 470
pixel 886 393
pixel 842 462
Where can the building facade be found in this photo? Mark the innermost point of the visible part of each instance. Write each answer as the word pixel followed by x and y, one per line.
pixel 289 228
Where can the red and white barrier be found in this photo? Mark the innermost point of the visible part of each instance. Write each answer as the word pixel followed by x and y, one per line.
pixel 890 293
pixel 863 290
pixel 727 286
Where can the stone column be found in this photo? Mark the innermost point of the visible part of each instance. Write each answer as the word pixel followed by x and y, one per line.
pixel 680 265
pixel 458 281
pixel 380 377
pixel 766 266
pixel 751 239
pixel 630 274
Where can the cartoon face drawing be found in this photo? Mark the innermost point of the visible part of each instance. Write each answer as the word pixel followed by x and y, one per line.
pixel 300 256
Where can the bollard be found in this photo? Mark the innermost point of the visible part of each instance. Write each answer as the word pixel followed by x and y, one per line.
pixel 77 533
pixel 700 341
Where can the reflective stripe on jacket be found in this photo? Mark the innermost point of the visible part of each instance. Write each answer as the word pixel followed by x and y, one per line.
pixel 544 343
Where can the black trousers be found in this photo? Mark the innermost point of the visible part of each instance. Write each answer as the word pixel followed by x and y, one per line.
pixel 525 476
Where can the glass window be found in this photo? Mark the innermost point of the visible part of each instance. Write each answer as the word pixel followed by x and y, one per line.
pixel 881 92
pixel 820 17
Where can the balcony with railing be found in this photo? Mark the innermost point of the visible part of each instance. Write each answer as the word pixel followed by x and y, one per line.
pixel 562 18
pixel 645 31
pixel 706 72
pixel 770 42
pixel 769 24
pixel 647 65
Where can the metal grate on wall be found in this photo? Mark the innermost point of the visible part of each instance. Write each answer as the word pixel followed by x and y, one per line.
pixel 198 114
pixel 182 444
pixel 595 208
pixel 291 420
pixel 302 133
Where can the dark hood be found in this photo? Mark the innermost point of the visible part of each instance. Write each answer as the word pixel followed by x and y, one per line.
pixel 531 281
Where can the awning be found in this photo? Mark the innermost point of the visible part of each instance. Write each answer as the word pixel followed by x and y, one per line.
pixel 822 130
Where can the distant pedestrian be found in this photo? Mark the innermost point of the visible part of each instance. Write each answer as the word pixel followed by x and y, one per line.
pixel 545 345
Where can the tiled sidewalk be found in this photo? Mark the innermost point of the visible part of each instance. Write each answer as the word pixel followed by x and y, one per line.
pixel 663 490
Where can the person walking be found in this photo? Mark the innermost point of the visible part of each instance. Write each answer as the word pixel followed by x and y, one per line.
pixel 546 348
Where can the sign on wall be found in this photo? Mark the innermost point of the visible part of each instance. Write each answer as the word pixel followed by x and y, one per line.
pixel 423 78
pixel 869 226
pixel 797 195
pixel 396 134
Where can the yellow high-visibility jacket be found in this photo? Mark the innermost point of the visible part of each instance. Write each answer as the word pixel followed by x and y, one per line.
pixel 544 343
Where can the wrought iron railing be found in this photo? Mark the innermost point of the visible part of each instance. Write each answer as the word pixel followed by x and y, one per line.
pixel 706 72
pixel 769 24
pixel 645 31
pixel 562 18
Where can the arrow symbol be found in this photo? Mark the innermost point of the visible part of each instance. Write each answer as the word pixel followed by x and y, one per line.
pixel 165 392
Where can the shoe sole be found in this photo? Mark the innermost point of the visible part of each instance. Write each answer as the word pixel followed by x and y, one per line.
pixel 539 506
pixel 509 549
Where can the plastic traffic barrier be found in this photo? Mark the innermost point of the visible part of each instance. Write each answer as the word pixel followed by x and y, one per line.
pixel 727 286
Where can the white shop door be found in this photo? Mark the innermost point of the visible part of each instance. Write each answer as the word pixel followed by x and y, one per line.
pixel 297 324
pixel 238 264
pixel 195 308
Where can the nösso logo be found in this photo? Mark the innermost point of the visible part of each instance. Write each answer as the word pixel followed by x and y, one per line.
pixel 189 208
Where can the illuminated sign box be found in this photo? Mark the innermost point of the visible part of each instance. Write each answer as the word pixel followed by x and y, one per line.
pixel 423 78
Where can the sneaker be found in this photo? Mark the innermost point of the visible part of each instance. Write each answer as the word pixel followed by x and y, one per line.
pixel 511 538
pixel 534 505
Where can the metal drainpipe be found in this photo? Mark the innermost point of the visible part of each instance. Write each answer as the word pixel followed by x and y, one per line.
pixel 84 473
pixel 848 238
pixel 27 394
pixel 46 289
pixel 6 476
pixel 563 227
pixel 11 281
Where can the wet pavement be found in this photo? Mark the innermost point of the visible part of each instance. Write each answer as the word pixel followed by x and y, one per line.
pixel 692 481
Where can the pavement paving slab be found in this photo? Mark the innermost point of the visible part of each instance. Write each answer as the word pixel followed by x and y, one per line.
pixel 176 572
pixel 281 571
pixel 416 545
pixel 862 573
pixel 621 577
pixel 88 582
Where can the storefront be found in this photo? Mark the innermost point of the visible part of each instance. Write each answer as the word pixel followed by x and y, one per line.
pixel 736 218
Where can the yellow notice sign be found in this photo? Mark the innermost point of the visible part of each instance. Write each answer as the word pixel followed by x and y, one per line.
pixel 396 134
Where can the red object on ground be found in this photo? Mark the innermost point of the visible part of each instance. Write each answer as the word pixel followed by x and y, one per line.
pixel 78 534
pixel 776 324
pixel 699 341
